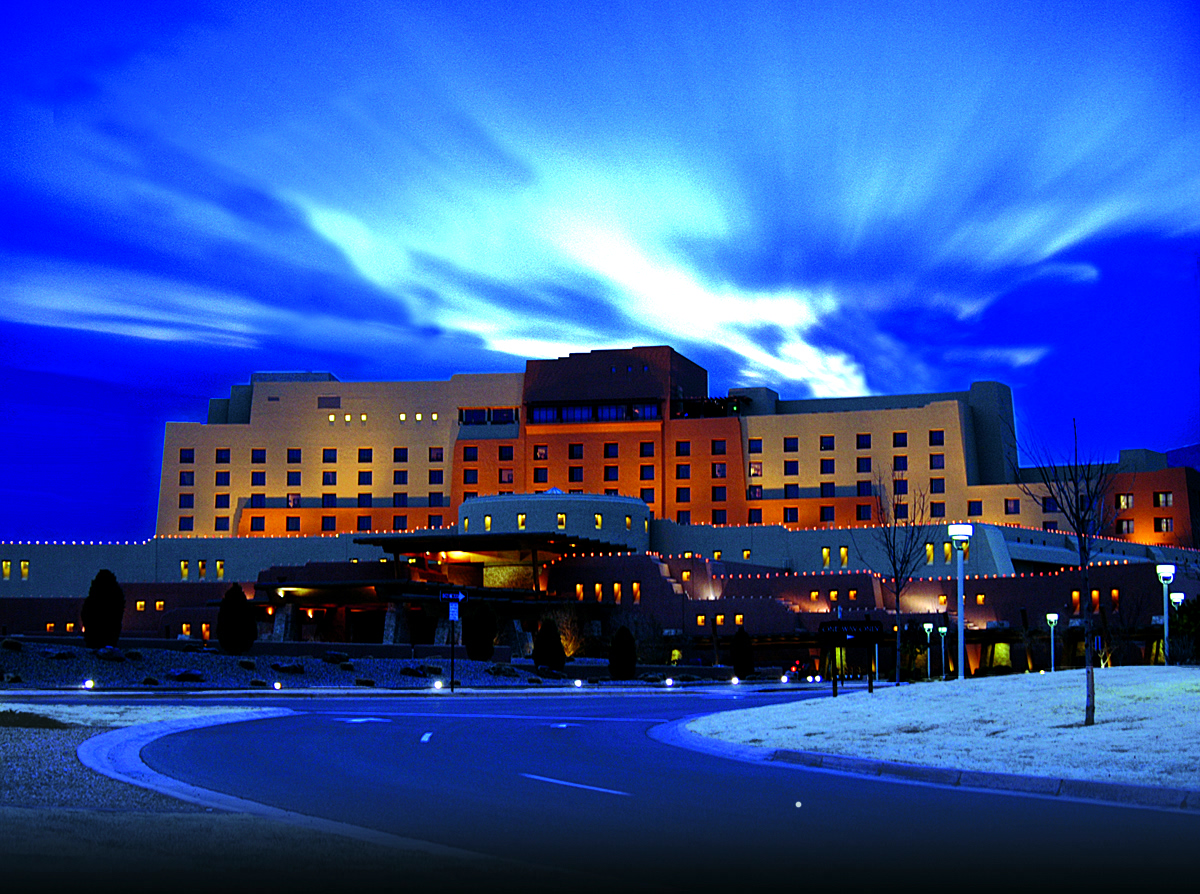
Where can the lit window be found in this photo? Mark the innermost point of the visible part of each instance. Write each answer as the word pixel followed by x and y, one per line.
pixel 561 520
pixel 716 555
pixel 1012 506
pixel 746 554
pixel 140 605
pixel 205 630
pixel 947 552
pixel 756 469
pixel 844 555
pixel 636 586
pixel 739 620
pixel 853 594
pixel 183 569
pixel 403 417
pixel 185 629
pixel 599 521
pixel 50 627
pixel 1124 501
pixel 928 553
pixel 617 592
pixel 6 567
pixel 701 620
pixel 417 417
pixel 333 418
pixel 598 589
pixel 833 595
pixel 1163 499
pixel 433 417
pixel 1124 525
pixel 825 552
pixel 941 599
pixel 629 523
pixel 720 620
pixel 202 567
pixel 1164 525
pixel 24 569
pixel 520 521
pixel 814 595
pixel 70 626
pixel 363 417
pixel 979 599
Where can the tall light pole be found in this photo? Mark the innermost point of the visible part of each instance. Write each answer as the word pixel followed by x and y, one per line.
pixel 1166 575
pixel 961 536
pixel 1052 619
pixel 942 633
pixel 928 630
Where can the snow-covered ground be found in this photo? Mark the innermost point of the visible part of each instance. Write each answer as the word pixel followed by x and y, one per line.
pixel 1147 728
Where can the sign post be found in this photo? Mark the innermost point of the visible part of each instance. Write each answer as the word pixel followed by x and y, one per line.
pixel 454 599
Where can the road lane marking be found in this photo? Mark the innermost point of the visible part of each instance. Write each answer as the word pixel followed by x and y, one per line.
pixel 426 737
pixel 564 725
pixel 363 720
pixel 467 715
pixel 590 788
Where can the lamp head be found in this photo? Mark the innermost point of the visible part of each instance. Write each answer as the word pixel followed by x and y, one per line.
pixel 942 629
pixel 1052 618
pixel 960 534
pixel 928 628
pixel 1166 573
pixel 1177 599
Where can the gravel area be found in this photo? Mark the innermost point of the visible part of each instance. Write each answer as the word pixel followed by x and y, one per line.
pixel 37 666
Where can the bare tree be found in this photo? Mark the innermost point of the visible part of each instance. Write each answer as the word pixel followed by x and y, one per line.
pixel 901 532
pixel 1082 491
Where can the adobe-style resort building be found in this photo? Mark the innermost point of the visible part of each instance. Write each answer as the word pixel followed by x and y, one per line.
pixel 611 482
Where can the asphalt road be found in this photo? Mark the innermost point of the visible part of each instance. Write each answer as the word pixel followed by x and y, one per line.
pixel 576 782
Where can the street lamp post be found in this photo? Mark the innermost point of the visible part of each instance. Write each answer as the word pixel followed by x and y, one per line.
pixel 1052 619
pixel 961 536
pixel 1166 575
pixel 928 630
pixel 942 634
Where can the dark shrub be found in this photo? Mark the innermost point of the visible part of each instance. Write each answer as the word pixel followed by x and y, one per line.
pixel 622 656
pixel 742 653
pixel 479 630
pixel 236 627
pixel 102 611
pixel 547 647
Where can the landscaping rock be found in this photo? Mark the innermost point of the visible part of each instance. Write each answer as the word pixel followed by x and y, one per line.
pixel 346 666
pixel 110 653
pixel 150 681
pixel 335 657
pixel 246 664
pixel 13 645
pixel 185 675
pixel 293 669
pixel 502 670
pixel 258 684
pixel 413 672
pixel 363 681
pixel 58 654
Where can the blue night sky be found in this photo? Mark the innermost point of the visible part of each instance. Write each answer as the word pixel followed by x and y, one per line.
pixel 828 198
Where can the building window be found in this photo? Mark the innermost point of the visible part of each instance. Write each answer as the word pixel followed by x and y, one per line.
pixel 899 463
pixel 400 476
pixel 1124 525
pixel 187 479
pixel 470 453
pixel 187 456
pixel 258 501
pixel 791 515
pixel 222 456
pixel 258 479
pixel 505 476
pixel 746 554
pixel 646 448
pixel 221 523
pixel 399 454
pixel 577 414
pixel 364 501
pixel 186 522
pixel 937 510
pixel 865 488
pixel 436 454
pixel 258 455
pixel 435 521
pixel 701 620
pixel 365 454
pixel 476 416
pixel 754 492
pixel 399 522
pixel 436 499
pixel 647 495
pixel 470 476
pixel 937 437
pixel 718 494
pixel 899 487
pixel 364 523
pixel 293 478
pixel 521 521
pixel 718 447
pixel 863 465
pixel 791 445
pixel 436 476
pixel 862 512
pixel 826 442
pixel 646 473
pixel 575 473
pixel 937 460
pixel 1161 525
pixel 504 453
pixel 328 523
pixel 828 489
pixel 1124 501
pixel 827 466
pixel 754 445
pixel 683 448
pixel 791 492
pixel 1049 504
pixel 329 455
pixel 683 495
pixel 186 501
pixel 718 470
pixel 937 485
pixel 900 510
pixel 756 469
pixel 329 478
pixel 1049 526
pixel 574 451
pixel 826 514
pixel 754 517
pixel 293 523
pixel 222 479
pixel 293 455
pixel 598 519
pixel 862 441
pixel 541 452
pixel 258 523
pixel 791 467
pixel 825 553
pixel 328 501
pixel 472 494
pixel 541 475
pixel 1163 499
pixel 561 520
pixel 1012 506
pixel 718 516
pixel 974 507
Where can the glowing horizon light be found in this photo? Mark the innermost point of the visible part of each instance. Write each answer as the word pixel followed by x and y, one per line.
pixel 734 681
pixel 437 684
pixel 89 684
pixel 670 681
pixel 578 683
pixel 278 685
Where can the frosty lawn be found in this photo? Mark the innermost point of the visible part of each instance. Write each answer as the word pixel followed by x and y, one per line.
pixel 1146 732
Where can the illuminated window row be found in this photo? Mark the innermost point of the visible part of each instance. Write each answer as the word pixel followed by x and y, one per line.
pixel 635 589
pixel 6 567
pixel 140 605
pixel 834 595
pixel 719 620
pixel 185 570
pixel 417 417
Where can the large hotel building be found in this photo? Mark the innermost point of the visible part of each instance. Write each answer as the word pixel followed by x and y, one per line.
pixel 305 454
